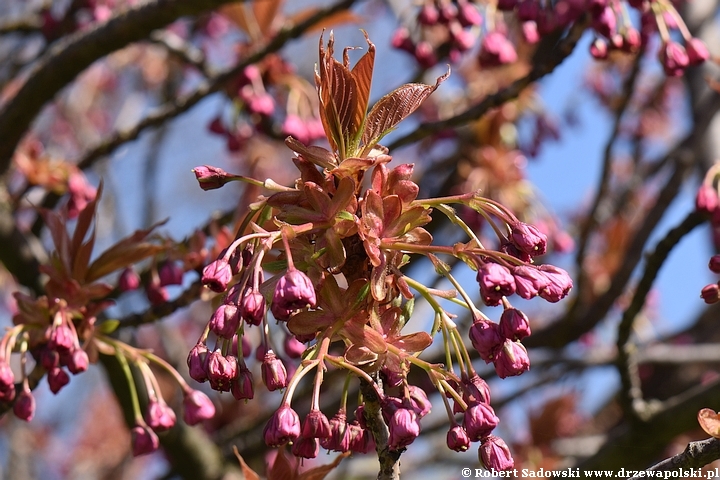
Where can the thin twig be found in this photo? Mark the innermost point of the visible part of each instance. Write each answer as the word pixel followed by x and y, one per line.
pixel 601 192
pixel 696 455
pixel 540 68
pixel 631 393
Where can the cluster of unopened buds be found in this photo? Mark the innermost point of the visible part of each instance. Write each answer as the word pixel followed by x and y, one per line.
pixel 336 247
pixel 451 28
pixel 707 201
pixel 256 91
pixel 58 334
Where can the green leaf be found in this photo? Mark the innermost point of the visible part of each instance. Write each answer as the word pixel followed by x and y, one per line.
pixel 108 326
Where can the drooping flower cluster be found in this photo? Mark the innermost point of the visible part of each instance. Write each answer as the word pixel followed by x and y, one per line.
pixel 452 27
pixel 59 329
pixel 335 250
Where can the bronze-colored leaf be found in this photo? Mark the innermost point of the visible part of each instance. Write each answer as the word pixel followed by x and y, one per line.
pixel 120 256
pixel 359 355
pixel 337 18
pixel 363 335
pixel 60 237
pixel 414 342
pixel 82 226
pixel 81 259
pixel 317 155
pixel 248 472
pixel 282 468
pixel 319 473
pixel 253 18
pixel 395 107
pixel 710 422
pixel 344 98
pixel 362 73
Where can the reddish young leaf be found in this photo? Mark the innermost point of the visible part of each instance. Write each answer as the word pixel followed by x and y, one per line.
pixel 710 422
pixel 248 472
pixel 282 469
pixel 317 155
pixel 395 107
pixel 362 73
pixel 82 226
pixel 320 472
pixel 414 342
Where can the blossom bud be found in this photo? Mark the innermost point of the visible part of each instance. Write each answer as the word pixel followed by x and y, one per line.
pixel 293 347
pixel 710 293
pixel 496 282
pixel 57 379
pixel 129 280
pixel 283 427
pixel 216 126
pixel 216 275
pixel 78 361
pixel 605 22
pixel 221 370
pixel 295 127
pixel 339 439
pixel 7 379
pixel 425 54
pixel 706 200
pixel 476 390
pixel 197 407
pixel 273 371
pixel 697 51
pixel 159 416
pixel 225 321
pixel 559 283
pixel 530 32
pixel 514 324
pixel 401 40
pixel 293 291
pixel 49 359
pixel 528 239
pixel 479 420
pixel 714 264
pixel 361 441
pixel 306 447
pixel 496 50
pixel 495 454
pixel 197 363
pixel 486 338
pixel 316 425
pixel 419 400
pixel 242 387
pixel 599 49
pixel 511 359
pixel 156 294
pixel 428 15
pixel 404 428
pixel 144 440
pixel 170 273
pixel 528 10
pixel 252 307
pixel 529 281
pixel 24 406
pixel 673 58
pixel 62 339
pixel 468 15
pixel 210 177
pixel 457 439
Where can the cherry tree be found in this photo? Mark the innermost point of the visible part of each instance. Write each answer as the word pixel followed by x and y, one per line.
pixel 238 234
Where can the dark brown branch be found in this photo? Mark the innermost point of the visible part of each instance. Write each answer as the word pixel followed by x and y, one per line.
pixel 631 393
pixel 696 455
pixel 213 84
pixel 160 311
pixel 389 459
pixel 542 65
pixel 185 51
pixel 68 57
pixel 634 447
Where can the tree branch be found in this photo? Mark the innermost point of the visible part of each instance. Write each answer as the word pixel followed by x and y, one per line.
pixel 542 65
pixel 211 85
pixel 631 393
pixel 71 55
pixel 696 455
